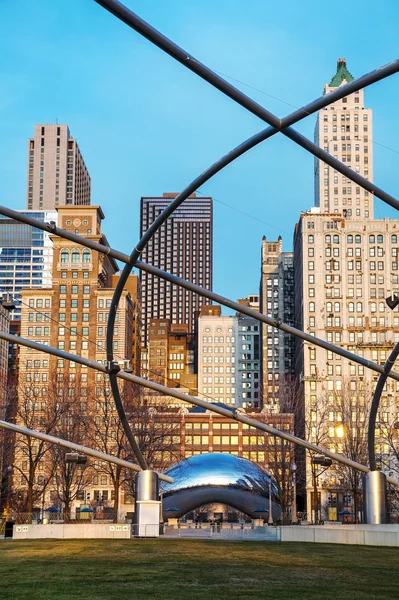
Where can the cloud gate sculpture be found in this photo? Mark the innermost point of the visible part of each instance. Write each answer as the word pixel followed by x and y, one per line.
pixel 218 478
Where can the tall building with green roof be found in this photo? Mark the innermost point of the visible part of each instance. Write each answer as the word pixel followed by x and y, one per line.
pixel 344 130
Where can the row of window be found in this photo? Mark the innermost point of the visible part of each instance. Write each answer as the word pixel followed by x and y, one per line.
pixel 335 239
pixel 76 256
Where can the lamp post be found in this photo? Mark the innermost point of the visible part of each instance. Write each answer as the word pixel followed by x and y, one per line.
pixel 316 461
pixel 294 518
pixel 44 481
pixel 9 476
pixel 270 519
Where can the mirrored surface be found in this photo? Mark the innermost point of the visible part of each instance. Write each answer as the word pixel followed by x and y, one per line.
pixel 222 478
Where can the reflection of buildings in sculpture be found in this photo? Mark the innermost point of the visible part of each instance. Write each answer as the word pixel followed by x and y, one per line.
pixel 346 264
pixel 219 478
pixel 277 301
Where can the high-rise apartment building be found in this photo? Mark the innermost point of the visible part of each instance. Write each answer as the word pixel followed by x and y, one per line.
pixel 182 246
pixel 72 315
pixel 277 301
pixel 133 287
pixel 56 173
pixel 26 256
pixel 170 354
pixel 344 130
pixel 346 264
pixel 229 358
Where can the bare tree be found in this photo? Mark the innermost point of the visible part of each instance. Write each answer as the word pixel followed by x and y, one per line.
pixel 70 479
pixel 105 433
pixel 316 431
pixel 350 430
pixel 40 409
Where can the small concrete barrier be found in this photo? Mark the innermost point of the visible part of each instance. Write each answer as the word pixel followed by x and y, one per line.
pixel 72 531
pixel 361 535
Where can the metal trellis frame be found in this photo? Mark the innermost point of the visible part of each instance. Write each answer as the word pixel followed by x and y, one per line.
pixel 275 125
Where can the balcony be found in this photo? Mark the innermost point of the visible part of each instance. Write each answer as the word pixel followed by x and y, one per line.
pixel 79 266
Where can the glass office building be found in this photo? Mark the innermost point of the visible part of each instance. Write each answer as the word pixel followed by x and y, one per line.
pixel 26 256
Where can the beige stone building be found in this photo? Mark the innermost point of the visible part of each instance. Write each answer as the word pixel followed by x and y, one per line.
pixel 72 316
pixel 346 264
pixel 344 130
pixel 56 173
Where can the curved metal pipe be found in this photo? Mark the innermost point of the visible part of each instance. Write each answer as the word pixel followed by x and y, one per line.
pixel 132 20
pixel 375 405
pixel 78 447
pixel 264 318
pixel 165 391
pixel 198 290
pixel 276 125
pixel 281 125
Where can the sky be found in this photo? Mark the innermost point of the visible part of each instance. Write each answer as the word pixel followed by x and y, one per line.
pixel 146 125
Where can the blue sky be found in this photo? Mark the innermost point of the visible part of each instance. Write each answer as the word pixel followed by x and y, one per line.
pixel 147 125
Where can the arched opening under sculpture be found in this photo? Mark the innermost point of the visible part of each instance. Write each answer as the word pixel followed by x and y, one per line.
pixel 221 479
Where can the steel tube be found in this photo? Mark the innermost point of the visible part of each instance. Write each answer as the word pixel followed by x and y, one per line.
pixel 78 447
pixel 376 403
pixel 282 125
pixel 264 318
pixel 165 391
pixel 375 498
pixel 198 290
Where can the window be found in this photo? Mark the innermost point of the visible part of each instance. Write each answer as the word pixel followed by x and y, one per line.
pixel 64 256
pixel 86 255
pixel 75 256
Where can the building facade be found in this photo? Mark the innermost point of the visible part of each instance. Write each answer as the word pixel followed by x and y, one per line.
pixel 56 172
pixel 229 358
pixel 26 256
pixel 170 352
pixel 346 264
pixel 133 287
pixel 344 130
pixel 277 301
pixel 64 397
pixel 182 246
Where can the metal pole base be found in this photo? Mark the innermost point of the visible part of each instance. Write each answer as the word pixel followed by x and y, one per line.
pixel 375 498
pixel 147 506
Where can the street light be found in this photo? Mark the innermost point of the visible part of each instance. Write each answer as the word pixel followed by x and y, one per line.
pixel 270 519
pixel 322 461
pixel 44 481
pixel 294 518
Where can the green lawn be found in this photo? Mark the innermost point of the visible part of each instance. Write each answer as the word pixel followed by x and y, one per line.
pixel 197 570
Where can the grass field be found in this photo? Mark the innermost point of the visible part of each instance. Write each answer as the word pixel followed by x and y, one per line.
pixel 197 570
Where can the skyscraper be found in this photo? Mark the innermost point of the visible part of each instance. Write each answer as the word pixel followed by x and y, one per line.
pixel 228 358
pixel 56 174
pixel 346 264
pixel 277 301
pixel 26 256
pixel 182 246
pixel 344 129
pixel 71 314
